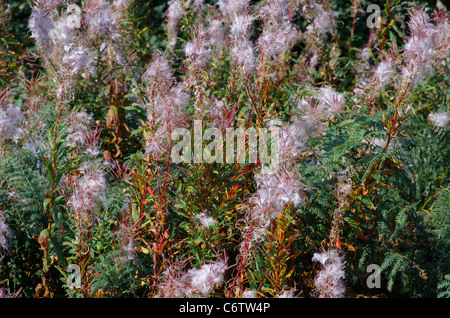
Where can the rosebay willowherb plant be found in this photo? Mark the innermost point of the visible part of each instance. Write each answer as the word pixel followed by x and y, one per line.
pixel 229 148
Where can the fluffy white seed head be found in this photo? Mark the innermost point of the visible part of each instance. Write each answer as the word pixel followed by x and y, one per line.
pixel 440 119
pixel 197 50
pixel 80 124
pixel 10 119
pixel 384 72
pixel 205 220
pixel 202 280
pixel 275 190
pixel 5 232
pixel 217 35
pixel 329 281
pixel 78 60
pixel 62 32
pixel 173 15
pixel 330 100
pixel 102 21
pixel 40 24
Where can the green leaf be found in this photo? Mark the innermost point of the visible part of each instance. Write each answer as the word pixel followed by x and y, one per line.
pixel 58 177
pixel 393 39
pixel 367 202
pixel 49 167
pixel 354 225
pixel 71 245
pixel 57 247
pixel 57 217
pixel 46 202
pixel 399 32
pixel 44 234
pixel 198 240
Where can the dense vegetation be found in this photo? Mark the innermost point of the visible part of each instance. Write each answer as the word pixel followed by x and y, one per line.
pixel 93 204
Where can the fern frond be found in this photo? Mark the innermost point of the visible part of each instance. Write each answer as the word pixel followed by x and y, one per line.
pixel 444 287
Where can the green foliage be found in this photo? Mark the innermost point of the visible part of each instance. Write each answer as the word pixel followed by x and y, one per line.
pixel 22 192
pixel 444 287
pixel 374 180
